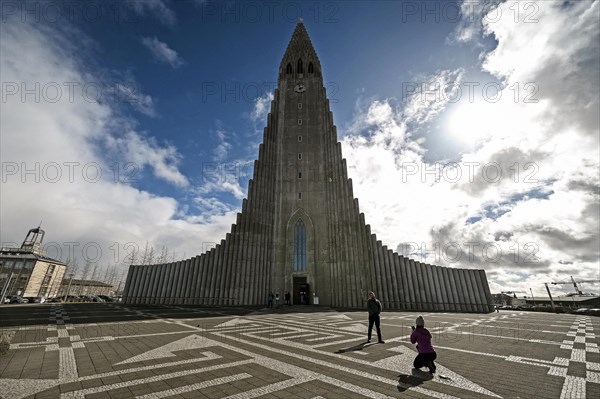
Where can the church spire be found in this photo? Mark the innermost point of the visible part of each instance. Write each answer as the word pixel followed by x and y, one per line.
pixel 300 57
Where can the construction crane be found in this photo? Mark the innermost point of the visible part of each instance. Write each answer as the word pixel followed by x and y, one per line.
pixel 577 290
pixel 513 292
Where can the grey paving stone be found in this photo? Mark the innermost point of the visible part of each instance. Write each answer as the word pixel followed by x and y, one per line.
pixel 297 355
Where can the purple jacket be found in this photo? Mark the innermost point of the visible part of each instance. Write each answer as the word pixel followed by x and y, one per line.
pixel 422 337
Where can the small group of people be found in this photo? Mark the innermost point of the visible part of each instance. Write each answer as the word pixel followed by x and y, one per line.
pixel 270 297
pixel 420 335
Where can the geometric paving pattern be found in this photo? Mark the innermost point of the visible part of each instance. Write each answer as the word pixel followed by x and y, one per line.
pixel 118 351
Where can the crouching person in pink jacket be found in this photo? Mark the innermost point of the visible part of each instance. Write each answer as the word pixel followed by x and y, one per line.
pixel 422 337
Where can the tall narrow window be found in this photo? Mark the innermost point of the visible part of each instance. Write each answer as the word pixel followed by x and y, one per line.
pixel 299 121
pixel 311 69
pixel 299 139
pixel 288 69
pixel 300 156
pixel 300 67
pixel 300 247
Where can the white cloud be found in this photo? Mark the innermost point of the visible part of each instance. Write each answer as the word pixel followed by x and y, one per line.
pixel 70 149
pixel 162 52
pixel 544 209
pixel 430 97
pixel 146 151
pixel 158 9
pixel 262 107
pixel 139 101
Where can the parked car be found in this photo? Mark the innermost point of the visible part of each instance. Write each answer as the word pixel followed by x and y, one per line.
pixel 18 299
pixel 73 298
pixel 36 299
pixel 594 312
pixel 55 299
pixel 107 298
pixel 582 310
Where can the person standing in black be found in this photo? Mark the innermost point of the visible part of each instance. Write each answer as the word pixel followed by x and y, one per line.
pixel 374 308
pixel 287 298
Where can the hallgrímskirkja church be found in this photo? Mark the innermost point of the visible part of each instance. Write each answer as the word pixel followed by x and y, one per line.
pixel 300 228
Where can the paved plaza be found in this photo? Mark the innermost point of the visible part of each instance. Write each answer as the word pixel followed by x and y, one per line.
pixel 118 351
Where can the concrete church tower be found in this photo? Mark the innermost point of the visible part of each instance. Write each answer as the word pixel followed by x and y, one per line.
pixel 300 229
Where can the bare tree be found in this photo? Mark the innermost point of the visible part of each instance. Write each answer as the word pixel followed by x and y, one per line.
pixel 164 253
pixel 84 274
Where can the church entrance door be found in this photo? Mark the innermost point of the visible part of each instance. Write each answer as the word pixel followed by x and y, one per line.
pixel 301 291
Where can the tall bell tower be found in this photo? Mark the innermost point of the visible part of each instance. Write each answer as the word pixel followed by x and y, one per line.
pixel 315 213
pixel 300 228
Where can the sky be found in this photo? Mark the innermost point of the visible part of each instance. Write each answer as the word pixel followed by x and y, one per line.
pixel 471 129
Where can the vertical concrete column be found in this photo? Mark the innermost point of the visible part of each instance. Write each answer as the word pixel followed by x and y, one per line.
pixel 442 287
pixel 202 272
pixel 235 265
pixel 383 293
pixel 147 279
pixel 422 281
pixel 438 301
pixel 416 285
pixel 233 272
pixel 208 289
pixel 151 284
pixel 386 294
pixel 478 302
pixel 172 284
pixel 456 289
pixel 396 283
pixel 212 267
pixel 219 277
pixel 243 259
pixel 167 282
pixel 401 274
pixel 127 287
pixel 367 264
pixel 378 270
pixel 426 284
pixel 188 281
pixel 471 291
pixel 173 287
pixel 184 279
pixel 194 276
pixel 155 293
pixel 226 272
pixel 486 290
pixel 216 273
pixel 410 289
pixel 464 290
pixel 431 286
pixel 136 284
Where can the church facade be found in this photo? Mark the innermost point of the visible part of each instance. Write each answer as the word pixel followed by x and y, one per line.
pixel 300 229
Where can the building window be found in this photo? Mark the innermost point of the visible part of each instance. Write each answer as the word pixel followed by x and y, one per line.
pixel 299 105
pixel 288 69
pixel 299 196
pixel 300 70
pixel 299 175
pixel 310 68
pixel 300 247
pixel 300 156
pixel 299 121
pixel 299 139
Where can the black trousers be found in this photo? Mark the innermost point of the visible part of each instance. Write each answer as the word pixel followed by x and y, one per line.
pixel 422 359
pixel 374 319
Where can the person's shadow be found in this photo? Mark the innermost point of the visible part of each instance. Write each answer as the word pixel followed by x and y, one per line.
pixel 417 378
pixel 354 348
